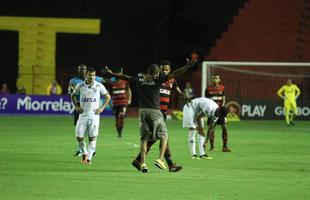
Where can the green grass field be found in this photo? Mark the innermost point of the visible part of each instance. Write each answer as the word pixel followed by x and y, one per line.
pixel 269 161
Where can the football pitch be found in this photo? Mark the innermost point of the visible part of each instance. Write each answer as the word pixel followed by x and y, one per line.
pixel 268 161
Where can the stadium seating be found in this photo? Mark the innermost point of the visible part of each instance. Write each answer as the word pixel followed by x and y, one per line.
pixel 266 31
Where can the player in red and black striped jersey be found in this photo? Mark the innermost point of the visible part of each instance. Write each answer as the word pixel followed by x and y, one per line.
pixel 165 93
pixel 121 97
pixel 216 92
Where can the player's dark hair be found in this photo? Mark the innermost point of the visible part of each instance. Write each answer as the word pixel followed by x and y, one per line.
pixel 164 62
pixel 215 75
pixel 91 69
pixel 153 69
pixel 79 67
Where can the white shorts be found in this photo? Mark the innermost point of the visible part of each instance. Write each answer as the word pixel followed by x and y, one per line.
pixel 87 126
pixel 189 117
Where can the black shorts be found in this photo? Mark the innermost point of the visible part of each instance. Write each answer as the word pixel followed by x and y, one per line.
pixel 220 121
pixel 117 109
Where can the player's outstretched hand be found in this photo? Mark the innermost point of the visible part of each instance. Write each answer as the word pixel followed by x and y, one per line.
pixel 79 109
pixel 190 62
pixel 107 69
pixel 98 111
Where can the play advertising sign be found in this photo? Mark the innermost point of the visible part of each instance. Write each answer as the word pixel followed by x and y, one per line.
pixel 39 104
pixel 265 110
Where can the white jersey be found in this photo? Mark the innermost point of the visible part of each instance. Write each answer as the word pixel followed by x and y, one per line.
pixel 90 97
pixel 204 105
pixel 198 106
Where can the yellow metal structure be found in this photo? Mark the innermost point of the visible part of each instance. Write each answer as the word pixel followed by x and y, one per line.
pixel 37 46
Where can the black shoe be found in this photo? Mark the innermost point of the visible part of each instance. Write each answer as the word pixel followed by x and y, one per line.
pixel 94 154
pixel 195 157
pixel 205 157
pixel 77 153
pixel 292 123
pixel 136 164
pixel 175 168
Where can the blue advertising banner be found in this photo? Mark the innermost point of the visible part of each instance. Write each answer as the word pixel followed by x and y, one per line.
pixel 39 104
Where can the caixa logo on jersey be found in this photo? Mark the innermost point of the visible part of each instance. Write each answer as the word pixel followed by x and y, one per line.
pixel 301 111
pixel 88 100
pixel 44 104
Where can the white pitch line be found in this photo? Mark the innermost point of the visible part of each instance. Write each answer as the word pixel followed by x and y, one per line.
pixel 132 144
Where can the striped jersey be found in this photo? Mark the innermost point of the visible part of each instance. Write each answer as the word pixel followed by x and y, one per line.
pixel 165 92
pixel 118 91
pixel 216 93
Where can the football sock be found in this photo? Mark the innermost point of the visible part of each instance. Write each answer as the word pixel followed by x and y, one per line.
pixel 212 139
pixel 83 147
pixel 287 117
pixel 167 156
pixel 119 130
pixel 201 141
pixel 95 145
pixel 192 142
pixel 225 137
pixel 292 117
pixel 91 149
pixel 119 123
pixel 78 149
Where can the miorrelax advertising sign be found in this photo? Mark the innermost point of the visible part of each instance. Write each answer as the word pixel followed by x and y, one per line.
pixel 38 104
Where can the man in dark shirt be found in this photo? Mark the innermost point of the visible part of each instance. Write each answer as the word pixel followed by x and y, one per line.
pixel 165 92
pixel 152 124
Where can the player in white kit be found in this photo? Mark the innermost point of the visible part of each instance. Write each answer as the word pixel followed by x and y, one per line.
pixel 90 92
pixel 193 114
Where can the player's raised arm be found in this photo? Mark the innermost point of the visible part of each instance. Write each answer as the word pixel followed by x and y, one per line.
pixel 118 75
pixel 129 95
pixel 183 69
pixel 181 94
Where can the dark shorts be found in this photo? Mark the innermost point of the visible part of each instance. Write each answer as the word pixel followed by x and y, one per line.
pixel 221 120
pixel 117 109
pixel 152 124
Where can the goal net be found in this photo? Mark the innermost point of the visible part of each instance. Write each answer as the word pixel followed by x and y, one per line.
pixel 251 87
